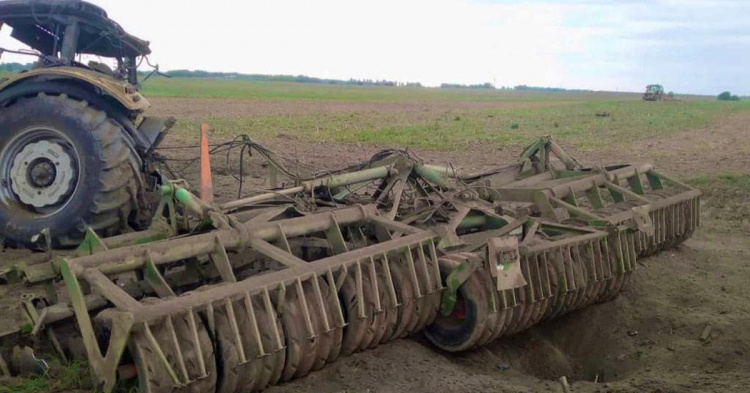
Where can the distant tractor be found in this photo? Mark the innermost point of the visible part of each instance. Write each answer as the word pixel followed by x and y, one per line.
pixel 654 93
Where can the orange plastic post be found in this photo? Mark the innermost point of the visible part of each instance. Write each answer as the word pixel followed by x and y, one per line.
pixel 207 186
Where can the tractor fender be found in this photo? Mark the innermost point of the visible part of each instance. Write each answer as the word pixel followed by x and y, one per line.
pixel 121 91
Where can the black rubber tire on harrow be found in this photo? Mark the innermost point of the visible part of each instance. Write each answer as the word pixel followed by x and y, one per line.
pixel 459 333
pixel 108 182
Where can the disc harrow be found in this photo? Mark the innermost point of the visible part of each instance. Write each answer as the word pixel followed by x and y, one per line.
pixel 254 292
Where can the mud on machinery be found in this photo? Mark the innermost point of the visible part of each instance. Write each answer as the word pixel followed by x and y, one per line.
pixel 238 296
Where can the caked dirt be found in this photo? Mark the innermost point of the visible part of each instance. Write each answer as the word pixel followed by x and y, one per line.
pixel 681 326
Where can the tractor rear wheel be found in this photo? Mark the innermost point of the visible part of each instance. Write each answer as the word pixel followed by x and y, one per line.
pixel 64 166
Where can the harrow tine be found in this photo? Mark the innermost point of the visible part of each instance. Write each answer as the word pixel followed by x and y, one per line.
pixel 254 324
pixel 493 304
pixel 281 299
pixel 505 300
pixel 272 312
pixel 568 255
pixel 538 275
pixel 527 273
pixel 178 350
pixel 547 278
pixel 342 277
pixel 566 282
pixel 609 259
pixel 423 264
pixel 235 330
pixel 619 254
pixel 333 288
pixel 305 311
pixel 196 342
pixel 682 217
pixel 375 285
pixel 210 318
pixel 577 255
pixel 436 267
pixel 592 259
pixel 663 220
pixel 360 291
pixel 160 354
pixel 321 304
pixel 413 271
pixel 633 254
pixel 697 215
pixel 639 236
pixel 389 280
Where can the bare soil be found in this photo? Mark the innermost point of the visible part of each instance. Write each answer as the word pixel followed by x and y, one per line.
pixel 200 108
pixel 647 340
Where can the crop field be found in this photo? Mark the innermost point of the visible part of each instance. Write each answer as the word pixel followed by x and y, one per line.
pixel 439 119
pixel 647 340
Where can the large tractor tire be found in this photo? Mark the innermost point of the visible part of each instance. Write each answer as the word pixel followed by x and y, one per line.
pixel 64 166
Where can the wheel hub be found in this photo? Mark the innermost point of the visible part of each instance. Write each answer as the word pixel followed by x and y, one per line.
pixel 42 174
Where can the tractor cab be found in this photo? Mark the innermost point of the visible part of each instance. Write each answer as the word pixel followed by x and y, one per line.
pixel 76 148
pixel 61 30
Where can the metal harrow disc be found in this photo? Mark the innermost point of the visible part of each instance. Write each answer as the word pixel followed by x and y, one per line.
pixel 407 311
pixel 361 316
pixel 264 359
pixel 389 305
pixel 309 344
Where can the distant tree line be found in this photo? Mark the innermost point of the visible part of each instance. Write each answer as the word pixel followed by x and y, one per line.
pixel 285 78
pixel 459 86
pixel 727 96
pixel 549 89
pixel 15 67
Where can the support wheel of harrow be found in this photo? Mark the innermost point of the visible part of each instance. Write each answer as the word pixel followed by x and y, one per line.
pixel 64 166
pixel 465 326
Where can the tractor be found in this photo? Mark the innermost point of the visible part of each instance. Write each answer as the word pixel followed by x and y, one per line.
pixel 654 93
pixel 76 150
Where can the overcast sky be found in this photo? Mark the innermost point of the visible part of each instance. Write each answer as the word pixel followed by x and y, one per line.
pixel 689 46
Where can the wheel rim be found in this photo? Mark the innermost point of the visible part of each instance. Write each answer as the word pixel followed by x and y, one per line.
pixel 39 169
